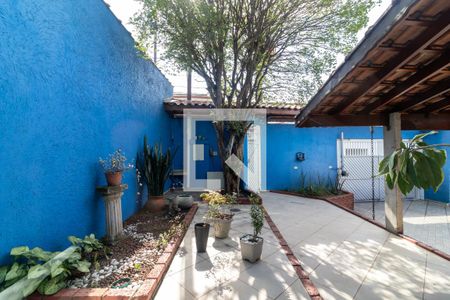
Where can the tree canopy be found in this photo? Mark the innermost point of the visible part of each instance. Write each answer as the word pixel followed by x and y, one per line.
pixel 249 51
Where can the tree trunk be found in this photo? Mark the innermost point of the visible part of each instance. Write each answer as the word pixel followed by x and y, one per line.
pixel 229 143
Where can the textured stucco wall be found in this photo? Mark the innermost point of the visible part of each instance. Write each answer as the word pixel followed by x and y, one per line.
pixel 319 146
pixel 72 89
pixel 443 193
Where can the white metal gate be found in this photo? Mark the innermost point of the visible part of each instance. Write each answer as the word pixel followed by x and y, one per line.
pixel 355 158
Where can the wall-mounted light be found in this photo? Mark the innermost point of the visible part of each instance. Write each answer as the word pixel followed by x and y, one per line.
pixel 300 156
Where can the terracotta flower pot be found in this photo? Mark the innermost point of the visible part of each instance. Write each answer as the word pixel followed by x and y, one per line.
pixel 155 203
pixel 113 178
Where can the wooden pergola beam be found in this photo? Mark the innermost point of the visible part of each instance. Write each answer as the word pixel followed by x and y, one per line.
pixel 438 89
pixel 433 32
pixel 437 106
pixel 420 76
pixel 411 121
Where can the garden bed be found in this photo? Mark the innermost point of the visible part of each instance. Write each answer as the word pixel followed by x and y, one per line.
pixel 344 198
pixel 143 256
pixel 135 255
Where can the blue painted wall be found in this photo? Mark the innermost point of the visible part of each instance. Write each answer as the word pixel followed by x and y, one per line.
pixel 443 194
pixel 72 89
pixel 319 146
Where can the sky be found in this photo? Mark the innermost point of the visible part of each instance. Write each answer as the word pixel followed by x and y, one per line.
pixel 125 9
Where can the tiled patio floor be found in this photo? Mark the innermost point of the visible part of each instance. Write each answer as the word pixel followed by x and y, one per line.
pixel 349 258
pixel 346 257
pixel 220 273
pixel 426 221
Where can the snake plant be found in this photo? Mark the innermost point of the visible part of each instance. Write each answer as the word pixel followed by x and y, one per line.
pixel 154 165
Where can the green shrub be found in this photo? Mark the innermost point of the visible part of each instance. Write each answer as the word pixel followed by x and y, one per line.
pixel 318 186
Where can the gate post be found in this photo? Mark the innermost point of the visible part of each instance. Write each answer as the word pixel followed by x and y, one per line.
pixel 393 203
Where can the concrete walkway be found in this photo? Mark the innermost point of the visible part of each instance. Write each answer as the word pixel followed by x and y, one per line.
pixel 349 258
pixel 426 221
pixel 220 273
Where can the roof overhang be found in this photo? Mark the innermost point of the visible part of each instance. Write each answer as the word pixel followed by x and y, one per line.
pixel 401 65
pixel 275 113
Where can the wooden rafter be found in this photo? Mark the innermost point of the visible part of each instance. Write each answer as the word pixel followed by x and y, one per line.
pixel 412 121
pixel 430 34
pixel 438 89
pixel 438 106
pixel 419 77
pixel 402 65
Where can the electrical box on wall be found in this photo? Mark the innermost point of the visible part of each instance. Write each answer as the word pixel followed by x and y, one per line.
pixel 300 156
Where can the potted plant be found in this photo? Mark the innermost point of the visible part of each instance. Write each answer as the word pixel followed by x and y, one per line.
pixel 114 166
pixel 154 167
pixel 252 244
pixel 219 213
pixel 220 219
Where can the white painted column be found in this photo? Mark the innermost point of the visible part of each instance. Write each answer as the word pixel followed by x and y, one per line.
pixel 112 195
pixel 393 205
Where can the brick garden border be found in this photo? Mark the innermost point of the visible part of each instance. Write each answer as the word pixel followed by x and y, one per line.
pixel 346 199
pixel 402 235
pixel 146 291
pixel 310 288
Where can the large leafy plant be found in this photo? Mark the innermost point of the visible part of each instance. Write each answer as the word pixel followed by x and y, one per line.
pixel 415 164
pixel 154 166
pixel 44 271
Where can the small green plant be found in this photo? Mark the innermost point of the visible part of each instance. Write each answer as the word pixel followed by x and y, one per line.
pixel 215 211
pixel 137 266
pixel 216 198
pixel 91 248
pixel 116 162
pixel 176 228
pixel 218 205
pixel 254 199
pixel 257 216
pixel 318 186
pixel 416 164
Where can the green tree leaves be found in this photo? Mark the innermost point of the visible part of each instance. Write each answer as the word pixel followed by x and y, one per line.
pixel 415 165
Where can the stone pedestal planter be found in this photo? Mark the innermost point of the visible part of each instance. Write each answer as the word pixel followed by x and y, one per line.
pixel 251 250
pixel 112 195
pixel 201 236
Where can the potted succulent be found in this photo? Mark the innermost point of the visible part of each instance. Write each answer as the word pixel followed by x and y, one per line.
pixel 114 166
pixel 252 244
pixel 154 167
